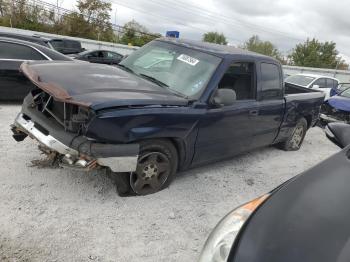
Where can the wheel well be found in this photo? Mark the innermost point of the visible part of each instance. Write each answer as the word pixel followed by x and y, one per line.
pixel 308 119
pixel 177 143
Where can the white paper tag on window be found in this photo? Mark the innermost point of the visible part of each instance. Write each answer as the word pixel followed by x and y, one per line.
pixel 188 59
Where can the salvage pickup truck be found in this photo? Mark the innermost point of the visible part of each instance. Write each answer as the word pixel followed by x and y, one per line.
pixel 169 106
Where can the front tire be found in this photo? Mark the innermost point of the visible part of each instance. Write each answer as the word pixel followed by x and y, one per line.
pixel 296 139
pixel 157 166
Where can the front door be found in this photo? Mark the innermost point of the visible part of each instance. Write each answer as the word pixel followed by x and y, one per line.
pixel 228 130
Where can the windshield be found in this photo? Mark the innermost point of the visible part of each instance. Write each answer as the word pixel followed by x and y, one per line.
pixel 346 93
pixel 300 80
pixel 343 86
pixel 182 70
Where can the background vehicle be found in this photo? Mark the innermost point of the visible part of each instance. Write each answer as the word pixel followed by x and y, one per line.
pixel 62 45
pixel 339 88
pixel 336 108
pixel 316 82
pixel 99 56
pixel 209 103
pixel 302 220
pixel 13 85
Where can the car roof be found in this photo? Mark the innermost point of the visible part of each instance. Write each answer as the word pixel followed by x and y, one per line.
pixel 215 49
pixel 54 55
pixel 33 38
pixel 316 76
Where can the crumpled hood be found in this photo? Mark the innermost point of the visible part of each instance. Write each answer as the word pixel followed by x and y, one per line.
pixel 340 103
pixel 97 86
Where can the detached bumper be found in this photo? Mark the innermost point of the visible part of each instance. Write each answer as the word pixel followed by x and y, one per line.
pixel 330 119
pixel 80 152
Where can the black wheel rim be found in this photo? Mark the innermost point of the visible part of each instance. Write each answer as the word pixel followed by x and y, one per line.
pixel 152 172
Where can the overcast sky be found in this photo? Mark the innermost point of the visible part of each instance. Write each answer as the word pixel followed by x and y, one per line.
pixel 283 22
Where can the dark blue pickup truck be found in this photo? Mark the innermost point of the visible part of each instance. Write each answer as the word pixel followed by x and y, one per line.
pixel 169 106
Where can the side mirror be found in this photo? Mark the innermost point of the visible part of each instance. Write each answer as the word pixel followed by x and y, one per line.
pixel 316 86
pixel 224 97
pixel 338 133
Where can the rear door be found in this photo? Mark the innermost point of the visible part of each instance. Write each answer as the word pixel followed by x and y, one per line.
pixel 13 85
pixel 271 104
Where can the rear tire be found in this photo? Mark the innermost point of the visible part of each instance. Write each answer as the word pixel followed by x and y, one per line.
pixel 295 140
pixel 156 168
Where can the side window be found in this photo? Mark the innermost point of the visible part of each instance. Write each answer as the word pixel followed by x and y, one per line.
pixel 330 83
pixel 111 55
pixel 271 82
pixel 95 54
pixel 240 78
pixel 17 51
pixel 321 82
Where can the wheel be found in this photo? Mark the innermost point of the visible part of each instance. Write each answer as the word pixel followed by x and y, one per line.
pixel 296 139
pixel 121 181
pixel 156 167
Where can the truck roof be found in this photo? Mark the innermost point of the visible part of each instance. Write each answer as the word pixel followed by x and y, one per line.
pixel 215 49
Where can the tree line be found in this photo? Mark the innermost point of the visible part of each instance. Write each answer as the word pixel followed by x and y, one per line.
pixel 311 53
pixel 91 20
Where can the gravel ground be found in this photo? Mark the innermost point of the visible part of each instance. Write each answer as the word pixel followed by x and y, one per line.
pixel 60 215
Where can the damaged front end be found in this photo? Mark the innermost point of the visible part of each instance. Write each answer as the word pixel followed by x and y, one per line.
pixel 330 114
pixel 60 128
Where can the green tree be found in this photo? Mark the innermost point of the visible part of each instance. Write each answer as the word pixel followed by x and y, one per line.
pixel 136 34
pixel 255 44
pixel 314 53
pixel 91 21
pixel 215 37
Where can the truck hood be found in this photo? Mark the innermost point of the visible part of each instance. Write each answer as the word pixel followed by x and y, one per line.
pixel 340 103
pixel 97 86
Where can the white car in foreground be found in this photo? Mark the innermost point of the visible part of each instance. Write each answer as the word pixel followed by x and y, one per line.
pixel 317 82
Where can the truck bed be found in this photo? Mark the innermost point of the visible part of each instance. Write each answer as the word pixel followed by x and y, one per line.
pixel 294 92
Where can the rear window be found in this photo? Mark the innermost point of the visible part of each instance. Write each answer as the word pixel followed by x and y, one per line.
pixel 300 80
pixel 17 51
pixel 72 44
pixel 57 43
pixel 54 55
pixel 271 82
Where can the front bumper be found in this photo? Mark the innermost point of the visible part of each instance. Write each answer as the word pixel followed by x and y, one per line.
pixel 329 119
pixel 81 152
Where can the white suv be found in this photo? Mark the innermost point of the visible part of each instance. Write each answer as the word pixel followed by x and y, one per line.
pixel 317 82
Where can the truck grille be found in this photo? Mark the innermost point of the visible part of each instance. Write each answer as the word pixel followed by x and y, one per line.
pixel 71 117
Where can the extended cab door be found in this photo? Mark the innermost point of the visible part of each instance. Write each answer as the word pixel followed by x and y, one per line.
pixel 228 130
pixel 271 104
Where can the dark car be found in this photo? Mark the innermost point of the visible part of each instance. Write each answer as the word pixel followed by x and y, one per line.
pixel 336 108
pixel 14 86
pixel 169 106
pixel 99 57
pixel 62 45
pixel 305 219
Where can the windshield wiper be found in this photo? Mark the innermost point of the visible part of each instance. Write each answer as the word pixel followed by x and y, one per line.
pixel 162 84
pixel 126 68
pixel 154 80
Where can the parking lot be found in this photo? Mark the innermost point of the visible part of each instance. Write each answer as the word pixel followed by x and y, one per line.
pixel 61 215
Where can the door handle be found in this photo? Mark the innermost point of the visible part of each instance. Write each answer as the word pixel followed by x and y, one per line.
pixel 254 112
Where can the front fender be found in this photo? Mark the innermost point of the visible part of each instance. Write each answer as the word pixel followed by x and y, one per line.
pixel 133 124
